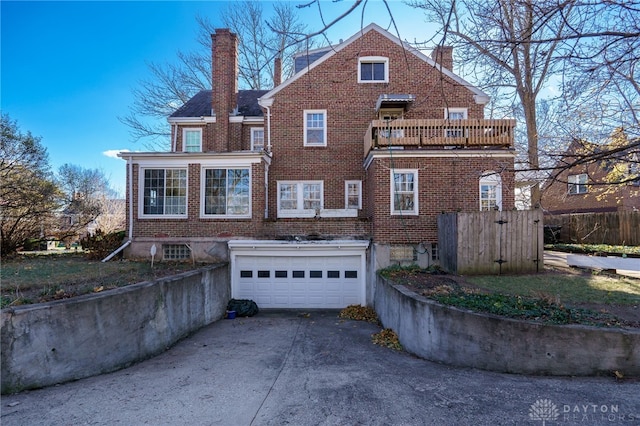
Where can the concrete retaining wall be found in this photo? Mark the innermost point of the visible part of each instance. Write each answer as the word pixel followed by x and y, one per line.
pixel 462 338
pixel 55 342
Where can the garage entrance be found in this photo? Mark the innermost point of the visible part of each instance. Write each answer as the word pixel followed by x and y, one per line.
pixel 305 274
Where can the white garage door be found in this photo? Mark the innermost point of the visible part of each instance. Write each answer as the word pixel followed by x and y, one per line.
pixel 299 282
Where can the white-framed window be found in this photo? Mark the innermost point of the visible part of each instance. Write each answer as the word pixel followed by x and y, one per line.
pixel 257 138
pixel 373 69
pixel 164 192
pixel 404 192
pixel 353 194
pixel 300 199
pixel 490 191
pixel 226 192
pixel 455 114
pixel 315 127
pixel 578 184
pixel 192 140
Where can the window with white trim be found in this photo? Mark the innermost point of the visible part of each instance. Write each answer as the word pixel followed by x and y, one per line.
pixel 300 199
pixel 404 192
pixel 490 191
pixel 226 192
pixel 192 140
pixel 315 127
pixel 373 69
pixel 578 184
pixel 257 138
pixel 164 192
pixel 353 194
pixel 455 114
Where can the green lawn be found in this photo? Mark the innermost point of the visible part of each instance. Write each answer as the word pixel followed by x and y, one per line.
pixel 567 288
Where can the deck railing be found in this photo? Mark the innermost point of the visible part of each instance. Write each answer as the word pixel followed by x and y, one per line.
pixel 433 133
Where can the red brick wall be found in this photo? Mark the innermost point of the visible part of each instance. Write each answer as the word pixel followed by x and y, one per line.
pixel 599 198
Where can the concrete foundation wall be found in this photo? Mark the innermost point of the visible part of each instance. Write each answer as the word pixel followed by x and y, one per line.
pixel 462 338
pixel 55 342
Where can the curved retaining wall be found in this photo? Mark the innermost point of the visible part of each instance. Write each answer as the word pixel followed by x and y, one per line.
pixel 463 338
pixel 55 342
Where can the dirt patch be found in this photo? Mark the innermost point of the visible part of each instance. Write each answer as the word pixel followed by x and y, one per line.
pixel 427 284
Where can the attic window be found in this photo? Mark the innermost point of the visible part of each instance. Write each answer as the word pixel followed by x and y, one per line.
pixel 577 184
pixel 373 69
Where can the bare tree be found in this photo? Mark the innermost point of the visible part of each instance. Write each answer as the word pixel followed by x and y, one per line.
pixel 170 85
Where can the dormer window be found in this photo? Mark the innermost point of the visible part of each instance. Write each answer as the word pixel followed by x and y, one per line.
pixel 192 140
pixel 373 69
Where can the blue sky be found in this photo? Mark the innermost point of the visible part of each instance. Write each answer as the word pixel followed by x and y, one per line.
pixel 68 68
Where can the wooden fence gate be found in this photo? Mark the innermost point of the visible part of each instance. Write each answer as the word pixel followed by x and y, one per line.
pixel 491 242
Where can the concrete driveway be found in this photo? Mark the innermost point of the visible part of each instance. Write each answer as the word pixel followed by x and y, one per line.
pixel 292 368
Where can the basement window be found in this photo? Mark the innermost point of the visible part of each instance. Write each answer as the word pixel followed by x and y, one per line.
pixel 176 251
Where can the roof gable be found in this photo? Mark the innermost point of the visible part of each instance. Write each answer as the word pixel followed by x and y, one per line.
pixel 481 97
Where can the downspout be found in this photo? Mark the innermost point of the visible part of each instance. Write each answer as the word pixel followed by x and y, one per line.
pixel 269 128
pixel 130 233
pixel 174 142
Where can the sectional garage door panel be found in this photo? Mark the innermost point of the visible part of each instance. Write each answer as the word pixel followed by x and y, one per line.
pixel 299 282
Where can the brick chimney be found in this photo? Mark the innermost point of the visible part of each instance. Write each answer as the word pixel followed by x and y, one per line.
pixel 277 71
pixel 225 83
pixel 443 55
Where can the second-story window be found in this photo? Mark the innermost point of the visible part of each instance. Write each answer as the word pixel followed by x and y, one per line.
pixel 373 69
pixel 578 184
pixel 455 114
pixel 404 192
pixel 192 140
pixel 257 138
pixel 315 127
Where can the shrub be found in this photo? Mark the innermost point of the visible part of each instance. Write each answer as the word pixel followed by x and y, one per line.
pixel 100 245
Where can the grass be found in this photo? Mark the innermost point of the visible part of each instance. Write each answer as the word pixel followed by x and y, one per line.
pixel 27 279
pixel 570 288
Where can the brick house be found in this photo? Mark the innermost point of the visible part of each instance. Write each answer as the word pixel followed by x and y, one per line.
pixel 584 188
pixel 309 188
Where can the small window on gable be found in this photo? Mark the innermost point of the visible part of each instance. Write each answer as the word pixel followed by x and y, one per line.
pixel 257 138
pixel 578 184
pixel 373 69
pixel 353 194
pixel 490 191
pixel 315 128
pixel 192 140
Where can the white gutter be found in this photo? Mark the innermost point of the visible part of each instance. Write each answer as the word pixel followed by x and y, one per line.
pixel 267 103
pixel 130 233
pixel 108 258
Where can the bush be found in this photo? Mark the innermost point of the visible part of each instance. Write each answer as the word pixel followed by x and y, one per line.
pixel 100 245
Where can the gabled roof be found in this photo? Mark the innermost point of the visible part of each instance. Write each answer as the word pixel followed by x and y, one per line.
pixel 200 104
pixel 481 97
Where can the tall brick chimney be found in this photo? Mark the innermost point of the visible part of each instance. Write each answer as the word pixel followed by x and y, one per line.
pixel 277 71
pixel 443 55
pixel 225 84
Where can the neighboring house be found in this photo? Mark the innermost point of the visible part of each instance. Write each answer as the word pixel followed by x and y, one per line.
pixel 588 188
pixel 309 188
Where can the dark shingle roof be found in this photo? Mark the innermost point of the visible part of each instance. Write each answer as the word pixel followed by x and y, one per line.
pixel 304 59
pixel 200 104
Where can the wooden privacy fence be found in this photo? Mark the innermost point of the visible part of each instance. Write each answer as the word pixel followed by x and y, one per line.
pixel 614 228
pixel 491 242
